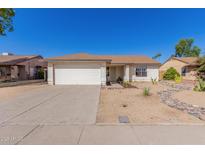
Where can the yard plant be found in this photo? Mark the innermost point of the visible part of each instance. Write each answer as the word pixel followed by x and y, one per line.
pixel 40 74
pixel 170 74
pixel 127 84
pixel 146 91
pixel 201 69
pixel 154 81
pixel 200 85
pixel 178 79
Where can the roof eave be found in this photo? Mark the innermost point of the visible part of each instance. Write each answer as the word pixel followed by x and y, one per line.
pixel 136 63
pixel 77 60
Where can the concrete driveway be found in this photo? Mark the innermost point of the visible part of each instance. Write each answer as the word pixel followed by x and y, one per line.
pixel 52 105
pixel 66 115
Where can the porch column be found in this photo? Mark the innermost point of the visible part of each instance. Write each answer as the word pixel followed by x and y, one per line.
pixel 50 74
pixel 103 74
pixel 126 72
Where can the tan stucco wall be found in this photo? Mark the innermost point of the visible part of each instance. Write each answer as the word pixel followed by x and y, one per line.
pixel 172 63
pixel 115 72
pixel 178 65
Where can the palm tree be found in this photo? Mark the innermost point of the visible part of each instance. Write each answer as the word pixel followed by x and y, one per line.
pixel 157 56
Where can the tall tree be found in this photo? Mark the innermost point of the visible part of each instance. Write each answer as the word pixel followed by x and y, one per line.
pixel 185 48
pixel 157 56
pixel 6 22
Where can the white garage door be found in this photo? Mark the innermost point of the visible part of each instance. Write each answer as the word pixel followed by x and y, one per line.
pixel 78 74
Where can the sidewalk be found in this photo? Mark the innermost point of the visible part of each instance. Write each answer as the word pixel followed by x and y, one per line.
pixel 94 134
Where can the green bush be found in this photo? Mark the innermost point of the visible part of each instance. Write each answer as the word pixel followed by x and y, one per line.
pixel 170 74
pixel 40 74
pixel 178 79
pixel 200 85
pixel 146 92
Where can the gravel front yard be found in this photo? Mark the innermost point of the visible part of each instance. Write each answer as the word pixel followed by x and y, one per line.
pixel 139 108
pixel 191 97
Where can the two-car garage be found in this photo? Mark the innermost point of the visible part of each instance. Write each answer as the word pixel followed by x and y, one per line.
pixel 80 73
pixel 76 73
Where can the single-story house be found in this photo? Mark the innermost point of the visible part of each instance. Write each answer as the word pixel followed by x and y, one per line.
pixel 90 69
pixel 185 66
pixel 15 67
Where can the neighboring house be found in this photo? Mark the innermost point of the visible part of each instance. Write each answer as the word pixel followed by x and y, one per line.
pixel 95 69
pixel 14 67
pixel 185 66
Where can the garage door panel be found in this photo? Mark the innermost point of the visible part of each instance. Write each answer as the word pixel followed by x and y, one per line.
pixel 78 66
pixel 86 75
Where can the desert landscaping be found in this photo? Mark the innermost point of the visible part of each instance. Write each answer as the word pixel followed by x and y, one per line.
pixel 191 97
pixel 142 109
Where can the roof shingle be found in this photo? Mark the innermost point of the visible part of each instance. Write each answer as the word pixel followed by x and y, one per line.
pixel 14 59
pixel 188 60
pixel 113 59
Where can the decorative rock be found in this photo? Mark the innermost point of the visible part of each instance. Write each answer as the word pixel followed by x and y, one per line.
pixel 202 117
pixel 166 98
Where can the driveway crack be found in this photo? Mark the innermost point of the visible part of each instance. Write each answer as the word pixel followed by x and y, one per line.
pixel 81 134
pixel 31 131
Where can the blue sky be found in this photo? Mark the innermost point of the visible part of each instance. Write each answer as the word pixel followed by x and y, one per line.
pixel 55 32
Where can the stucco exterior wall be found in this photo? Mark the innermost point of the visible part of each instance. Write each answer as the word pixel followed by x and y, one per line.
pixel 112 74
pixel 115 72
pixel 152 72
pixel 178 65
pixel 119 72
pixel 127 72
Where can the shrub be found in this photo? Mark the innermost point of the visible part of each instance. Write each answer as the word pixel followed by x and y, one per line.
pixel 178 79
pixel 200 85
pixel 154 81
pixel 125 84
pixel 40 74
pixel 146 92
pixel 170 74
pixel 201 68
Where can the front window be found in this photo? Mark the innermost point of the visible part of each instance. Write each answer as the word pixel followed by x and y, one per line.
pixel 141 71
